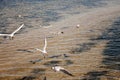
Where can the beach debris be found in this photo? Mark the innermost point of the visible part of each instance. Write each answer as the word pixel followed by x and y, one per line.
pixel 59 68
pixel 11 36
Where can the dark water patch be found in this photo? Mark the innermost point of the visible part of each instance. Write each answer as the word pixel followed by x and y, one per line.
pixel 114 58
pixel 83 47
pixel 83 2
pixel 68 62
pixel 94 75
pixel 24 50
pixel 52 63
pixel 112 66
pixel 55 56
pixel 3 25
pixel 27 78
pixel 92 3
pixel 35 61
pixel 112 48
pixel 112 52
pixel 49 16
pixel 39 71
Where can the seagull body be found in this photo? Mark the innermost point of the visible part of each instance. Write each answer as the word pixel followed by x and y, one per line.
pixel 44 48
pixel 11 36
pixel 59 68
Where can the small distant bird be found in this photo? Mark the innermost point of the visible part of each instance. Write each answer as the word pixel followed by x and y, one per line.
pixel 11 36
pixel 19 16
pixel 57 33
pixel 44 52
pixel 77 25
pixel 59 68
pixel 65 55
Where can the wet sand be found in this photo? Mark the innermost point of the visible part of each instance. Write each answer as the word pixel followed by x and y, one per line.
pixel 83 46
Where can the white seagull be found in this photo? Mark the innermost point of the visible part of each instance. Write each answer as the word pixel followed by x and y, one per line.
pixel 59 68
pixel 11 36
pixel 44 52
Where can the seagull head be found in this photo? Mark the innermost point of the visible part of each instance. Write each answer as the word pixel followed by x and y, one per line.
pixel 53 68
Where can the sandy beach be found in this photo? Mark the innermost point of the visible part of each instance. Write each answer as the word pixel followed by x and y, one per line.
pixel 92 48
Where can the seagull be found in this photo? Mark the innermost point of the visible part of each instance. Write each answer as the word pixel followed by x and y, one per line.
pixel 44 52
pixel 59 68
pixel 77 25
pixel 11 36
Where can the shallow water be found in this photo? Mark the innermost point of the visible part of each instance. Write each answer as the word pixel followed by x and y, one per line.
pixel 42 12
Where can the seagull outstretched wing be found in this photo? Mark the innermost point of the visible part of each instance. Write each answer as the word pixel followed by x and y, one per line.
pixel 38 49
pixel 45 46
pixel 17 29
pixel 4 34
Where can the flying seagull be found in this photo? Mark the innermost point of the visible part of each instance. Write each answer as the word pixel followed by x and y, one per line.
pixel 11 36
pixel 59 68
pixel 44 52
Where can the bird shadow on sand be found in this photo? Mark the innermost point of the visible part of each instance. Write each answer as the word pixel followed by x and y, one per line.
pixel 37 73
pixel 83 47
pixel 52 63
pixel 68 62
pixel 94 75
pixel 25 50
pixel 112 54
pixel 55 56
pixel 35 61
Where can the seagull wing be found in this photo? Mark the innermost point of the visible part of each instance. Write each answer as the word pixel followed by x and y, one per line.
pixel 4 34
pixel 45 46
pixel 66 72
pixel 18 29
pixel 38 49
